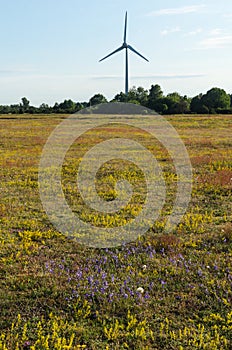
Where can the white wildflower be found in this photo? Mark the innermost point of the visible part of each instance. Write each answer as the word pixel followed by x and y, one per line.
pixel 144 267
pixel 140 290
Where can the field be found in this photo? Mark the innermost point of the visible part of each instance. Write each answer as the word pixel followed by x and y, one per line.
pixel 162 291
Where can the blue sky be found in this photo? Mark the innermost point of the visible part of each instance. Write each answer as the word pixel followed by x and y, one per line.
pixel 50 49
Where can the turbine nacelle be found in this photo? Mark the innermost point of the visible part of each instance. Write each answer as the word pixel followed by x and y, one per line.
pixel 125 46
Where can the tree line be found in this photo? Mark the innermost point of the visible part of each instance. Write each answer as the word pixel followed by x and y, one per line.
pixel 216 100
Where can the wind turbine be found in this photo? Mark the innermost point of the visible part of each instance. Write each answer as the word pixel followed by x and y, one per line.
pixel 125 46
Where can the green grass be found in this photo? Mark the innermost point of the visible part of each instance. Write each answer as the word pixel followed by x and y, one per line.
pixel 57 294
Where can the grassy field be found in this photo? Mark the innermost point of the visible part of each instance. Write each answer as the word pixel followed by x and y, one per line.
pixel 164 291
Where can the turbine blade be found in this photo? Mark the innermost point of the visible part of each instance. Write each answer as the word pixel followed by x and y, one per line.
pixel 125 28
pixel 117 50
pixel 132 49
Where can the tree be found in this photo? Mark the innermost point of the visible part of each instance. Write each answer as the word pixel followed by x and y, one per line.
pixel 16 109
pixel 44 108
pixel 138 95
pixel 197 106
pixel 142 96
pixel 155 92
pixel 121 97
pixel 154 97
pixel 55 108
pixel 184 105
pixel 135 95
pixel 78 106
pixel 156 100
pixel 5 109
pixel 172 100
pixel 97 99
pixel 132 95
pixel 68 106
pixel 25 104
pixel 216 98
pixel 177 104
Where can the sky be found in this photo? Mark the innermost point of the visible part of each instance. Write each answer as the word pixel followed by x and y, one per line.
pixel 50 49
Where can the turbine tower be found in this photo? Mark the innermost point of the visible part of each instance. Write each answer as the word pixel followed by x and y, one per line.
pixel 125 46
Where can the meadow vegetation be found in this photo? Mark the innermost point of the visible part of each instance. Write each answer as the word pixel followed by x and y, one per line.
pixel 163 291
